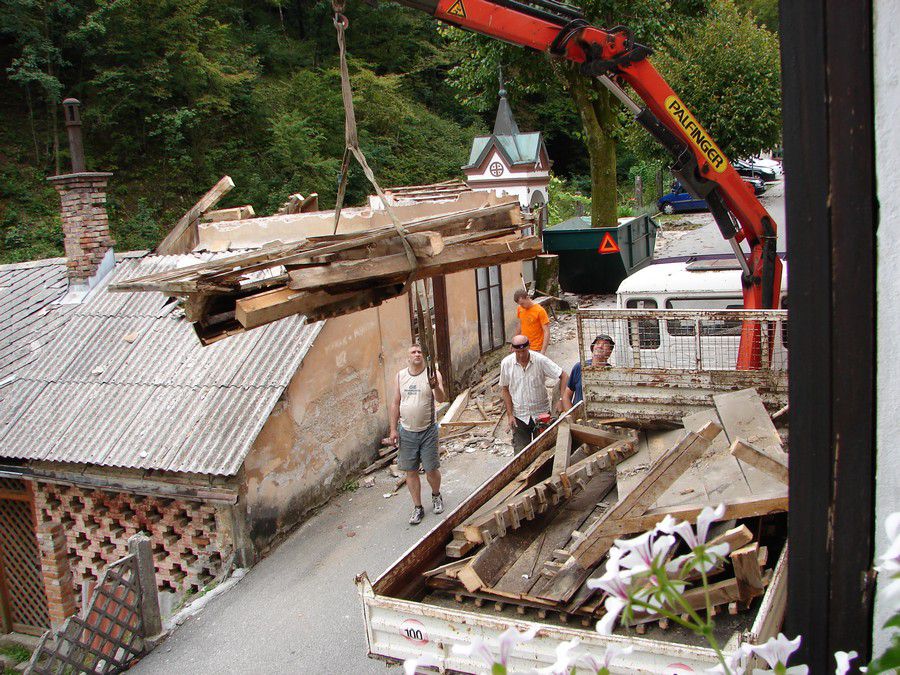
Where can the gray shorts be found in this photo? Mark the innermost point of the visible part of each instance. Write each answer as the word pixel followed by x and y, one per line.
pixel 418 447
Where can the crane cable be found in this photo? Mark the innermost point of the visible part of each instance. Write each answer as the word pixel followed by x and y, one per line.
pixel 352 149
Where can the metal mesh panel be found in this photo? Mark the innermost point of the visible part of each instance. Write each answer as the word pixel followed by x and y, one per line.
pixel 687 339
pixel 668 363
pixel 21 561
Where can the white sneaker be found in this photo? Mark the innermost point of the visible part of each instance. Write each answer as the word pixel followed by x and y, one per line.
pixel 438 503
pixel 417 515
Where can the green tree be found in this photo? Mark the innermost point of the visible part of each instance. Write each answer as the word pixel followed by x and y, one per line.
pixel 651 22
pixel 728 73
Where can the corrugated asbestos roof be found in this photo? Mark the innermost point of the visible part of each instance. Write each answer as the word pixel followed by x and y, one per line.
pixel 125 383
pixel 28 313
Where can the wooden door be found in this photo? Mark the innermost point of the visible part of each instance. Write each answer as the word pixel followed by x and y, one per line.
pixel 23 603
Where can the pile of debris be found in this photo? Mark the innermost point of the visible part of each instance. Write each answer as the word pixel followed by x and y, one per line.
pixel 534 543
pixel 331 275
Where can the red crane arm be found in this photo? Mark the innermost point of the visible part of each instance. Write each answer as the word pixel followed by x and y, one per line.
pixel 550 26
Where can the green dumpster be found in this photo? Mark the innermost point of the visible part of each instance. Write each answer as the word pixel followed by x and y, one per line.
pixel 597 259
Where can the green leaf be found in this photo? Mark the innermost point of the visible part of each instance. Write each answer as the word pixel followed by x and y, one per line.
pixel 893 622
pixel 498 669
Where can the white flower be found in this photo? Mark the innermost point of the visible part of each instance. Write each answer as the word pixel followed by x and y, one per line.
pixel 737 662
pixel 601 666
pixel 511 637
pixel 843 662
pixel 890 561
pixel 666 525
pixel 508 640
pixel 564 659
pixel 614 608
pixel 642 552
pixel 477 647
pixel 891 557
pixel 776 652
pixel 410 666
pixel 616 583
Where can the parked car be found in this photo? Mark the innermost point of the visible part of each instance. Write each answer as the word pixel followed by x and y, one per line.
pixel 751 169
pixel 680 199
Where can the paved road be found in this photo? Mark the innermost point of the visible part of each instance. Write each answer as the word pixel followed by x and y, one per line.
pixel 298 609
pixel 674 240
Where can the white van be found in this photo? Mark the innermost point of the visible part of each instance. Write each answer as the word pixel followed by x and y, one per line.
pixel 705 284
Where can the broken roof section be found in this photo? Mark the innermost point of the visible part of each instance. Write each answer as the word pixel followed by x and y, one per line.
pixel 303 268
pixel 124 383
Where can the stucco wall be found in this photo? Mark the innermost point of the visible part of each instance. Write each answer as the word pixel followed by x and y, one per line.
pixel 887 144
pixel 463 314
pixel 329 422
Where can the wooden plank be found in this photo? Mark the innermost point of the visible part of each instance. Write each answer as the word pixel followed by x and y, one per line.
pixel 449 568
pixel 744 416
pixel 170 244
pixel 546 494
pixel 459 404
pixel 563 448
pixel 225 215
pixel 722 476
pixel 491 562
pixel 594 545
pixel 599 438
pixel 775 465
pixel 747 573
pixel 746 507
pixel 397 267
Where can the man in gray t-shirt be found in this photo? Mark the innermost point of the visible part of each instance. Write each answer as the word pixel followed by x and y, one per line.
pixel 413 427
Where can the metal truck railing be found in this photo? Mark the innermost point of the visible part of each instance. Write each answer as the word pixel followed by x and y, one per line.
pixel 668 363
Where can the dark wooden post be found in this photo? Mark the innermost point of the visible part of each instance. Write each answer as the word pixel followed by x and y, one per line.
pixel 139 547
pixel 831 213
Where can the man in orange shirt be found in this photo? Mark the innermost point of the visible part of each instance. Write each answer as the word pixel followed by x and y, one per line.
pixel 533 321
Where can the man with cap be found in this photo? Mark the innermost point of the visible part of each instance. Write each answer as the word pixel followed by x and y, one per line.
pixel 522 375
pixel 601 348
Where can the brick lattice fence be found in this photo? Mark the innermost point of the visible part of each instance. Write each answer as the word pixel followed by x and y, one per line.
pixel 190 541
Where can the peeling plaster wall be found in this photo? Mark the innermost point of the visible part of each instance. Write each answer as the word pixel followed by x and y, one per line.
pixel 887 166
pixel 328 423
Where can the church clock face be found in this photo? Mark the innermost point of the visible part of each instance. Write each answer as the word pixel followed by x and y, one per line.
pixel 496 169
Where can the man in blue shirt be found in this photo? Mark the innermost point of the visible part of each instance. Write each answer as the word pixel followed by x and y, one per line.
pixel 601 348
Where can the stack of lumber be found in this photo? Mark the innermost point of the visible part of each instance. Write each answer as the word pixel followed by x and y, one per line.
pixel 326 276
pixel 535 542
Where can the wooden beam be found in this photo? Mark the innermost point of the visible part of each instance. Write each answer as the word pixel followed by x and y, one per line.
pixel 494 251
pixel 456 408
pixel 746 507
pixel 225 215
pixel 747 571
pixel 563 448
pixel 599 438
pixel 491 562
pixel 773 463
pixel 588 552
pixel 172 241
pixel 537 500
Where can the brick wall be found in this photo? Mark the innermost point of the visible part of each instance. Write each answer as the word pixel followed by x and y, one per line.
pixel 191 541
pixel 84 221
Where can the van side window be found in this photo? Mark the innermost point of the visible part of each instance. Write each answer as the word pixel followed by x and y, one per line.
pixel 644 333
pixel 679 328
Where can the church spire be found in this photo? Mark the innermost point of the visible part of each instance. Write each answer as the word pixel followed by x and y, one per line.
pixel 505 123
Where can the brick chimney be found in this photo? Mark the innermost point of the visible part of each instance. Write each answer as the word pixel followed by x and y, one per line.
pixel 82 194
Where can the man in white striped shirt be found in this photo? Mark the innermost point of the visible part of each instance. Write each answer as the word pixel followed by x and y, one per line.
pixel 522 376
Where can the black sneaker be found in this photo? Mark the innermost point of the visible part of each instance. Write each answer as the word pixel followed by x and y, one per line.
pixel 417 515
pixel 438 503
